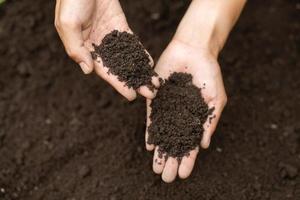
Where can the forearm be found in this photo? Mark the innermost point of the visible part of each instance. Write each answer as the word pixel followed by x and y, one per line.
pixel 207 23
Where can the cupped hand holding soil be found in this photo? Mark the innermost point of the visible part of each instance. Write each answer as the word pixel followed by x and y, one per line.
pixel 185 70
pixel 81 24
pixel 125 57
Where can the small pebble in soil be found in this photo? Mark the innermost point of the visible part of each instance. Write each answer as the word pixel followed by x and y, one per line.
pixel 274 126
pixel 124 56
pixel 113 197
pixel 23 68
pixel 84 171
pixel 26 145
pixel 155 16
pixel 178 114
pixel 288 171
pixel 139 149
pixel 48 121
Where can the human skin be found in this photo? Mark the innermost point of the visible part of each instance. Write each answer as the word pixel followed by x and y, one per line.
pixel 194 49
pixel 83 22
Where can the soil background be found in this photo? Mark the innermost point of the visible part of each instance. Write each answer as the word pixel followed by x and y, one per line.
pixel 67 136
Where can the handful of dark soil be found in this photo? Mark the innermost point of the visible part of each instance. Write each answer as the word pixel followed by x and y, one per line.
pixel 126 58
pixel 178 114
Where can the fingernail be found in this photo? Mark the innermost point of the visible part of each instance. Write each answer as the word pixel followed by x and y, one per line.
pixel 84 68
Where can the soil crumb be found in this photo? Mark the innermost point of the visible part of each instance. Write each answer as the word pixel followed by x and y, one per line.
pixel 178 114
pixel 124 55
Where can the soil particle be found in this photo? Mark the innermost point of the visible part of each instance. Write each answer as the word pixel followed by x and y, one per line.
pixel 84 171
pixel 124 55
pixel 19 157
pixel 2 135
pixel 48 121
pixel 178 114
pixel 211 118
pixel 113 197
pixel 2 190
pixel 273 126
pixel 24 68
pixel 26 145
pixel 288 171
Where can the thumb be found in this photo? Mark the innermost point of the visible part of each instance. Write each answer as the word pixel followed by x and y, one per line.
pixel 71 35
pixel 82 56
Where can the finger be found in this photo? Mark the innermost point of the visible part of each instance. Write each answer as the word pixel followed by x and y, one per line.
pixel 158 161
pixel 57 8
pixel 70 32
pixel 149 147
pixel 146 92
pixel 128 93
pixel 155 81
pixel 211 124
pixel 187 164
pixel 170 171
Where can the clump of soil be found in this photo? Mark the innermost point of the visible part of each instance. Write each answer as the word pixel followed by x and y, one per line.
pixel 125 57
pixel 178 114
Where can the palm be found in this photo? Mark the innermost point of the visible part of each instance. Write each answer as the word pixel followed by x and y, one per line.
pixel 179 57
pixel 101 18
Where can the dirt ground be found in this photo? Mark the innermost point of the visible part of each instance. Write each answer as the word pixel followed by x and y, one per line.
pixel 67 136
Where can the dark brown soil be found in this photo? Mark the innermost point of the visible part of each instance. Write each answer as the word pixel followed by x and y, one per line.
pixel 64 135
pixel 125 56
pixel 178 114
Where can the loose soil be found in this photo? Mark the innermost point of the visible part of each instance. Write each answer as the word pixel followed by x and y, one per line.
pixel 125 56
pixel 178 114
pixel 64 135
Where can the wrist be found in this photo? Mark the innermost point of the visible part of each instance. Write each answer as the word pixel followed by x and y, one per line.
pixel 204 27
pixel 206 42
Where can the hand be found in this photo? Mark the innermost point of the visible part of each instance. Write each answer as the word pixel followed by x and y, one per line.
pixel 181 57
pixel 81 23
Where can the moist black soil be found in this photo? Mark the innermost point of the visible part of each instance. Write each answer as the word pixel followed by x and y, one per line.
pixel 67 136
pixel 125 56
pixel 178 114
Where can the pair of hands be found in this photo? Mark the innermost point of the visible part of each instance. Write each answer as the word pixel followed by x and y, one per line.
pixel 80 24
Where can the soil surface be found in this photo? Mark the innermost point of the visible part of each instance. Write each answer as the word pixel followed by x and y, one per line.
pixel 126 57
pixel 66 136
pixel 178 113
